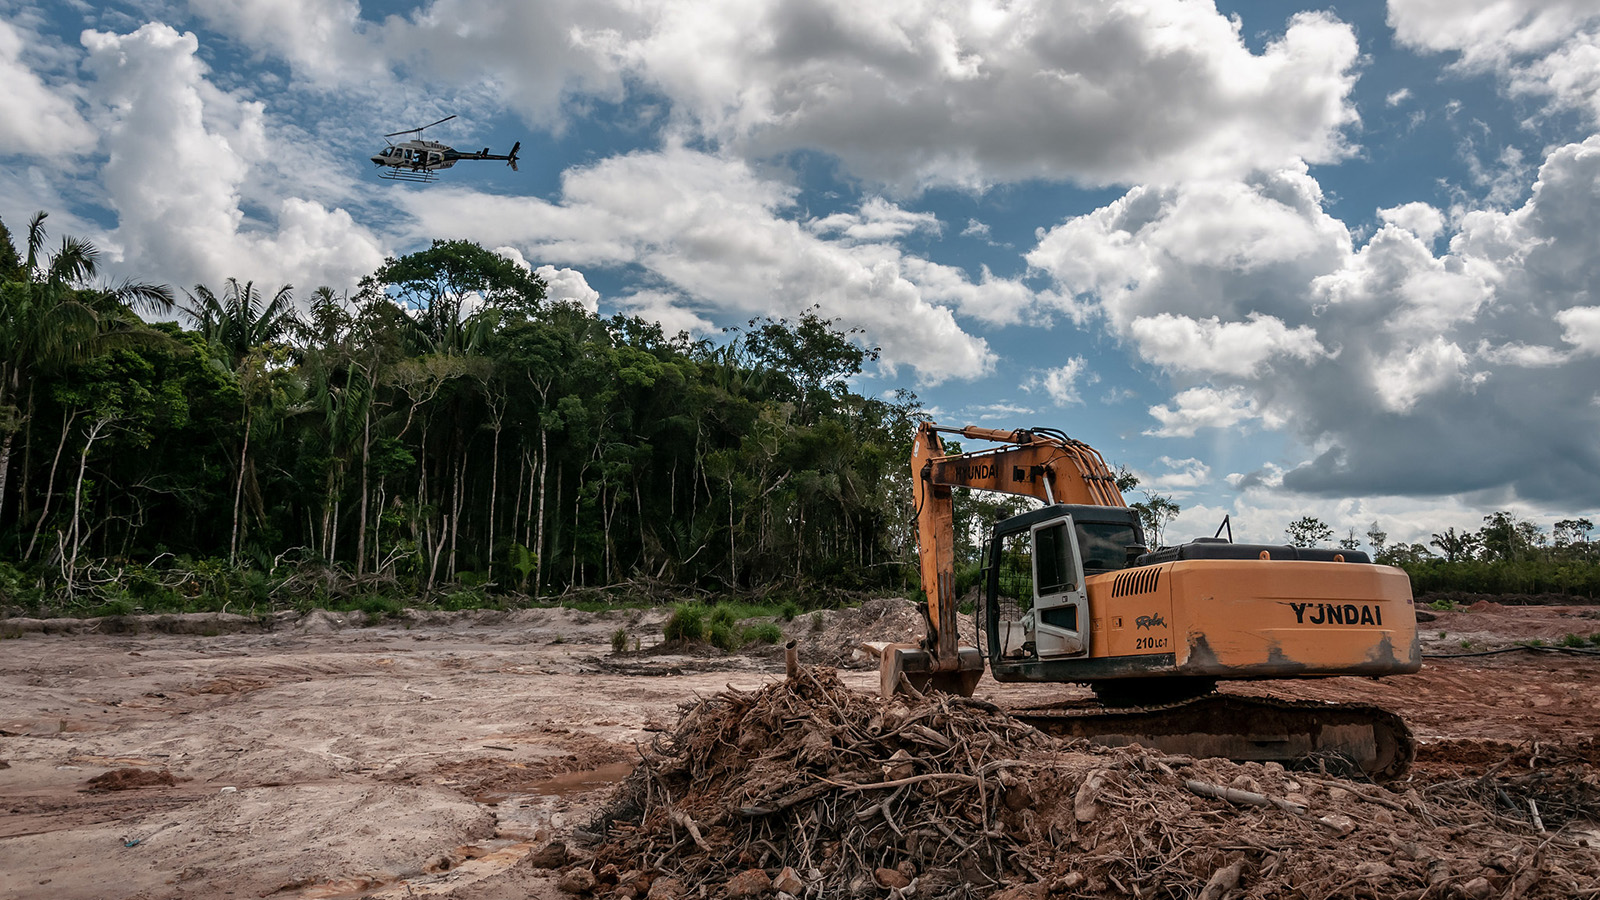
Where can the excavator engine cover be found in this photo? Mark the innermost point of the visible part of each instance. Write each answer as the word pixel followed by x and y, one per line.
pixel 920 669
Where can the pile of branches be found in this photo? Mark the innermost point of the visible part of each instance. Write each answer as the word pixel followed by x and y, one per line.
pixel 808 788
pixel 850 793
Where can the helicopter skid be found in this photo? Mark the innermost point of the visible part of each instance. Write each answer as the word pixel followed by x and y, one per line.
pixel 418 176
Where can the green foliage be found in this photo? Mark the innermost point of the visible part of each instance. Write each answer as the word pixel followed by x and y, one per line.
pixel 817 622
pixel 766 633
pixel 380 608
pixel 1572 640
pixel 1443 605
pixel 723 615
pixel 619 640
pixel 464 599
pixel 722 635
pixel 1307 531
pixel 686 624
pixel 111 608
pixel 1155 513
pixel 788 610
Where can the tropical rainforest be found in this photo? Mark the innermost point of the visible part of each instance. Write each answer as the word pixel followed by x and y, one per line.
pixel 447 434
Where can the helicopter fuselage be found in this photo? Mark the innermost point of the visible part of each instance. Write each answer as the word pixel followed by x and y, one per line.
pixel 418 156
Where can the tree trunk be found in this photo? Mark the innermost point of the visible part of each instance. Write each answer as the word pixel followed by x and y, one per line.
pixel 49 488
pixel 5 466
pixel 455 512
pixel 377 529
pixel 238 491
pixel 494 492
pixel 77 498
pixel 539 552
pixel 366 459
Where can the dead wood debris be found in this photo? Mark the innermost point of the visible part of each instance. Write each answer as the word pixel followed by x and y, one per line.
pixel 830 792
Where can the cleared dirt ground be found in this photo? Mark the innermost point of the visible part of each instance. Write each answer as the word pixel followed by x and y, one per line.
pixel 434 756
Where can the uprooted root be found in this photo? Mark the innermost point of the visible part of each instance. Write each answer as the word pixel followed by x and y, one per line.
pixel 948 797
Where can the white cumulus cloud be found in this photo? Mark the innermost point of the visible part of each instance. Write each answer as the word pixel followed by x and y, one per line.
pixel 1402 369
pixel 181 151
pixel 41 120
pixel 718 236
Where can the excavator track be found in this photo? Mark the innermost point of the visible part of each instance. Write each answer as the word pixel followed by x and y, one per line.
pixel 1354 738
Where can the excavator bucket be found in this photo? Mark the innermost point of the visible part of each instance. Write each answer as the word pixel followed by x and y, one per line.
pixel 922 672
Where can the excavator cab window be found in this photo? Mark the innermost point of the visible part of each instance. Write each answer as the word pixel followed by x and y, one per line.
pixel 1057 573
pixel 1105 545
pixel 1013 585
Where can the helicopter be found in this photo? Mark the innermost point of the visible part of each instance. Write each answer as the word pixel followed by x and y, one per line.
pixel 419 161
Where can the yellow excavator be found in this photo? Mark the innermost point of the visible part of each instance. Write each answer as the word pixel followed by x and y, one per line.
pixel 1070 593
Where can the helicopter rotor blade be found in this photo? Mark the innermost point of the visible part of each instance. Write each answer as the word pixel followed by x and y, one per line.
pixel 415 130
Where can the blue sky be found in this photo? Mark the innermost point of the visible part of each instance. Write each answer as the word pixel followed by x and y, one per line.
pixel 1336 260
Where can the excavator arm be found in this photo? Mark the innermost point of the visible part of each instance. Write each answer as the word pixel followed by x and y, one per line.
pixel 1036 463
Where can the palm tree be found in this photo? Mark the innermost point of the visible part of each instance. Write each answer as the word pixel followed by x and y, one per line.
pixel 241 319
pixel 50 317
pixel 1456 545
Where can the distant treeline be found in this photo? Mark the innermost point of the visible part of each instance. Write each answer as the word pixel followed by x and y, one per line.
pixel 448 433
pixel 446 424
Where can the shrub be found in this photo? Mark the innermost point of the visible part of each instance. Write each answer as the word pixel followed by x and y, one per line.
pixel 722 635
pixel 459 600
pixel 1444 605
pixel 788 610
pixel 686 624
pixel 117 607
pixel 379 608
pixel 619 640
pixel 1572 640
pixel 816 621
pixel 768 633
pixel 722 615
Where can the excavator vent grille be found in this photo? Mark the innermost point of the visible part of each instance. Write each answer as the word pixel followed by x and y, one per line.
pixel 1139 581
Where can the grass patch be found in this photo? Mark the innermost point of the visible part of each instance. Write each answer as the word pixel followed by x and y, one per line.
pixel 723 636
pixel 768 633
pixel 619 640
pixel 686 624
pixel 380 608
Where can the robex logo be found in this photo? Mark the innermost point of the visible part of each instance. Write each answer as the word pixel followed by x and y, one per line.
pixel 1155 621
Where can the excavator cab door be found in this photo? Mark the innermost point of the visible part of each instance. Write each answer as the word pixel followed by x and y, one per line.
pixel 1059 620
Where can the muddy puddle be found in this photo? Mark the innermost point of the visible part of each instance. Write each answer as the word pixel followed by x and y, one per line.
pixel 582 782
pixel 559 787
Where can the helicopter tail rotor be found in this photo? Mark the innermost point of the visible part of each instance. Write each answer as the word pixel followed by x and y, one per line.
pixel 511 158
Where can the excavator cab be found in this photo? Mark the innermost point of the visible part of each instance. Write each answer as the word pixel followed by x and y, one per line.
pixel 1036 568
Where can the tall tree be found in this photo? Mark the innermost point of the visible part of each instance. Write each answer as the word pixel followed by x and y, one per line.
pixel 1307 531
pixel 50 316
